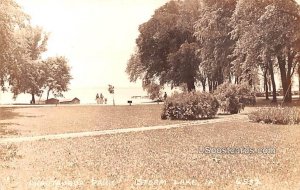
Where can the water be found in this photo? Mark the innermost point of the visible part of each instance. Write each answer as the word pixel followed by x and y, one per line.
pixel 86 96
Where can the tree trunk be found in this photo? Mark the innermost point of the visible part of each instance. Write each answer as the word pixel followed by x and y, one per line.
pixel 271 69
pixel 284 80
pixel 289 76
pixel 210 86
pixel 299 78
pixel 229 79
pixel 191 84
pixel 236 80
pixel 48 92
pixel 215 84
pixel 203 82
pixel 266 88
pixel 32 99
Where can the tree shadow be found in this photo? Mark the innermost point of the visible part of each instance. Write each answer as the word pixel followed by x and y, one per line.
pixel 7 113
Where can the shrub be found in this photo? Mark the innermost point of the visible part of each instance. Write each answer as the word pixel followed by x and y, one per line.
pixel 276 115
pixel 190 106
pixel 233 97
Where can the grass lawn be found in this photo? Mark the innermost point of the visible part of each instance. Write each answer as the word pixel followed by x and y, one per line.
pixel 6 114
pixel 160 159
pixel 62 119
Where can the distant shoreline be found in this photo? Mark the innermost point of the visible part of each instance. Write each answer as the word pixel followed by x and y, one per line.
pixel 73 105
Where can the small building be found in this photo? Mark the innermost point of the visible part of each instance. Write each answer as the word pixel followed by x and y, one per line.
pixel 73 101
pixel 52 101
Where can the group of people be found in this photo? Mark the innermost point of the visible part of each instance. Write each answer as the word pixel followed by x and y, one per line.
pixel 100 99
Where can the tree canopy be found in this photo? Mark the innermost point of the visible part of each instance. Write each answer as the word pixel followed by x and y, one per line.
pixel 21 47
pixel 211 42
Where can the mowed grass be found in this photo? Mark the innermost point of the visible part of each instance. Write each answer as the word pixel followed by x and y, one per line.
pixel 6 113
pixel 64 119
pixel 139 160
pixel 125 160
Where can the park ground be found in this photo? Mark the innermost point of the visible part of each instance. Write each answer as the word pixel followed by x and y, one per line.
pixel 169 157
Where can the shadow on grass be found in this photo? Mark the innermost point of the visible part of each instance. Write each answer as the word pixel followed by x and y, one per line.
pixel 7 113
pixel 225 114
pixel 30 116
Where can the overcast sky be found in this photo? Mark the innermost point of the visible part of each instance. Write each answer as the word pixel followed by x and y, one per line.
pixel 97 36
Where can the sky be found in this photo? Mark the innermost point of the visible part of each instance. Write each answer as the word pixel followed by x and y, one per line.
pixel 96 36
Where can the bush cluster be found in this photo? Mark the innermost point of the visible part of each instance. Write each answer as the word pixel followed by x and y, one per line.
pixel 234 97
pixel 190 106
pixel 276 115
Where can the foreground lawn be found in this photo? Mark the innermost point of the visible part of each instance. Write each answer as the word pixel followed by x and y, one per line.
pixel 171 157
pixel 62 119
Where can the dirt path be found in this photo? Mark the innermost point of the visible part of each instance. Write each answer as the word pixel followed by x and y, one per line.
pixel 118 131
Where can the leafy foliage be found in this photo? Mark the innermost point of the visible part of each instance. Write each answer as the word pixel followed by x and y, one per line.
pixel 276 115
pixel 212 30
pixel 233 97
pixel 266 34
pixel 111 89
pixel 11 19
pixel 154 90
pixel 190 106
pixel 57 74
pixel 27 74
pixel 166 46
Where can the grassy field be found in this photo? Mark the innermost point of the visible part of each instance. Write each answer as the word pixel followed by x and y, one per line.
pixel 6 114
pixel 62 119
pixel 160 159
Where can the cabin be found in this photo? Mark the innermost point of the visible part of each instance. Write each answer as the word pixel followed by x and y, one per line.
pixel 52 101
pixel 73 101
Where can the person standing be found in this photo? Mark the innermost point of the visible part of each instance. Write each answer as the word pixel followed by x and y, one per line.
pixel 101 98
pixel 165 96
pixel 97 98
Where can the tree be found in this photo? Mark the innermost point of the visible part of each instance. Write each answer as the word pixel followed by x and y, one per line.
pixel 153 89
pixel 267 30
pixel 160 39
pixel 184 65
pixel 12 18
pixel 299 79
pixel 57 73
pixel 27 74
pixel 285 38
pixel 111 90
pixel 212 30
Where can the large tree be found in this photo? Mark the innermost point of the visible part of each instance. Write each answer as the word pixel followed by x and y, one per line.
pixel 267 33
pixel 212 30
pixel 281 22
pixel 160 39
pixel 251 51
pixel 57 74
pixel 12 18
pixel 27 74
